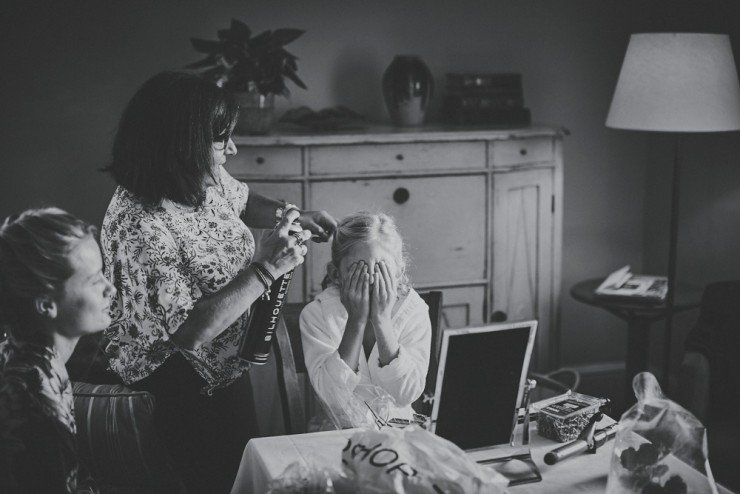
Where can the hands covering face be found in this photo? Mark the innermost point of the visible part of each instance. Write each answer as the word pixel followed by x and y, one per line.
pixel 354 288
pixel 383 293
pixel 368 291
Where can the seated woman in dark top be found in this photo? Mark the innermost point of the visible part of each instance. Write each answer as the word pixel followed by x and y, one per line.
pixel 52 292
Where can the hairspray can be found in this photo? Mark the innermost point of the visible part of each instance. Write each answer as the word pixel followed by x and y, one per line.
pixel 256 343
pixel 263 319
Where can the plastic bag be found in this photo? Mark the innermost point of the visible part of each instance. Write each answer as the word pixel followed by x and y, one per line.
pixel 366 406
pixel 311 479
pixel 660 447
pixel 412 460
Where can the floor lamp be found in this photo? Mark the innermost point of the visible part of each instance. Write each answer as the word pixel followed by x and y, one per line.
pixel 677 83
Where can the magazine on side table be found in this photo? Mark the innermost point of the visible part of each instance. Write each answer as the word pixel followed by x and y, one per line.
pixel 623 284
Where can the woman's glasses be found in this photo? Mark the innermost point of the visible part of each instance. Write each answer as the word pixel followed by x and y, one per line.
pixel 221 141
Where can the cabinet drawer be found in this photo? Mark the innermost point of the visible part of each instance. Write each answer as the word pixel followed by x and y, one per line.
pixel 521 151
pixel 265 160
pixel 374 158
pixel 442 221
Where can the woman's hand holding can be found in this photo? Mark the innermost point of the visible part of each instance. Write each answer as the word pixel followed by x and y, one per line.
pixel 284 248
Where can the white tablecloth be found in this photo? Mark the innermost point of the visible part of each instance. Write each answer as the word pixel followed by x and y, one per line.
pixel 266 458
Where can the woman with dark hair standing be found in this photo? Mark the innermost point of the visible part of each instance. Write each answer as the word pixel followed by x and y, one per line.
pixel 177 247
pixel 52 292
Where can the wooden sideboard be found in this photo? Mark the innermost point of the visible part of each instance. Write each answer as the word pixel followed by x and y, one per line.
pixel 480 210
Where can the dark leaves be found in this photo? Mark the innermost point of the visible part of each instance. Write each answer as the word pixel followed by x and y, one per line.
pixel 239 61
pixel 290 74
pixel 205 62
pixel 284 36
pixel 240 30
pixel 261 41
pixel 206 46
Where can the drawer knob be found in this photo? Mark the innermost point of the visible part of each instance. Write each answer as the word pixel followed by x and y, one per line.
pixel 498 316
pixel 523 152
pixel 399 157
pixel 401 195
pixel 260 160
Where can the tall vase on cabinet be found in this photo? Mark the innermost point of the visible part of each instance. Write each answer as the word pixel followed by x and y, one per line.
pixel 407 88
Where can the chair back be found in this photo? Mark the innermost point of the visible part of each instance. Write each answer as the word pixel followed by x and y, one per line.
pixel 425 402
pixel 716 338
pixel 290 363
pixel 118 441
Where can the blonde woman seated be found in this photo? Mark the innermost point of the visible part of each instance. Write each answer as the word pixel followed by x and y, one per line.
pixel 368 327
pixel 52 292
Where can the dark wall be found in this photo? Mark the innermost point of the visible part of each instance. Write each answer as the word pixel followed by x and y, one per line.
pixel 70 67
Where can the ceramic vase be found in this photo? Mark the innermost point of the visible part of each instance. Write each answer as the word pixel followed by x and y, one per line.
pixel 256 113
pixel 407 88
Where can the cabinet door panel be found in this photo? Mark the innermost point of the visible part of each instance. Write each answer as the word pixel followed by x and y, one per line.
pixel 442 221
pixel 291 192
pixel 522 251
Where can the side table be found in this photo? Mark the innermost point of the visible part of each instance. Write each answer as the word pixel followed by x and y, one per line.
pixel 638 315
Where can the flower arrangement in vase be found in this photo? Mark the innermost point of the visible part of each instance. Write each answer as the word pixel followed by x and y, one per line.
pixel 253 68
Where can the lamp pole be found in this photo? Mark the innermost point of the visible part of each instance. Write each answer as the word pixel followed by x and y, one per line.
pixel 672 255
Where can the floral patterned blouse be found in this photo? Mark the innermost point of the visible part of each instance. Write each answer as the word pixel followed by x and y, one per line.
pixel 162 259
pixel 38 449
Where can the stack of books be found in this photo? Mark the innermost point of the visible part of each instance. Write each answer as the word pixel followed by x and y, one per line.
pixel 485 99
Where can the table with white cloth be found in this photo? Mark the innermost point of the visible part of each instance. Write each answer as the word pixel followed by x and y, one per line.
pixel 266 458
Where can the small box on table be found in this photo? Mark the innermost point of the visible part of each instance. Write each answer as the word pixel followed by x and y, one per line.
pixel 564 417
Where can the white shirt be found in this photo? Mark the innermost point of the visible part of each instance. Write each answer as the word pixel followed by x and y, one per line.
pixel 337 385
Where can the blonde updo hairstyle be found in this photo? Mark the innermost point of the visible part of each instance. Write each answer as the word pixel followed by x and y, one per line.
pixel 34 261
pixel 364 226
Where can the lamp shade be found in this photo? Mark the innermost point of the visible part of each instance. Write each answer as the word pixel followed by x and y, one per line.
pixel 677 82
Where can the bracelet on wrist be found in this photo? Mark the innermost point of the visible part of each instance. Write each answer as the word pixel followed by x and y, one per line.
pixel 263 274
pixel 264 271
pixel 261 278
